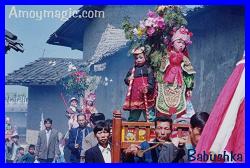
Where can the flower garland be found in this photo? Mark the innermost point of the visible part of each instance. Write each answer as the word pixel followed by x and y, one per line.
pixel 155 31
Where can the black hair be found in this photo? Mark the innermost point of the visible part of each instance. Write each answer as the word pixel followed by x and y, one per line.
pixel 15 136
pixel 32 146
pixel 20 148
pixel 163 119
pixel 101 125
pixel 47 120
pixel 199 120
pixel 109 122
pixel 81 115
pixel 95 117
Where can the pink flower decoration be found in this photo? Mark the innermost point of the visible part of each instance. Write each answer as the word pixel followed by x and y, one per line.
pixel 80 74
pixel 160 22
pixel 151 14
pixel 150 31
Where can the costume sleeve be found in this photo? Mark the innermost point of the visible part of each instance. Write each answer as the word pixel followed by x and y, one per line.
pixel 127 76
pixel 188 73
pixel 189 80
pixel 164 63
pixel 151 80
pixel 163 66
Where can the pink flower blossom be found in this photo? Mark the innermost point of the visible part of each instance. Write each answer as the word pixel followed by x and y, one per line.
pixel 160 22
pixel 80 74
pixel 151 14
pixel 149 22
pixel 150 31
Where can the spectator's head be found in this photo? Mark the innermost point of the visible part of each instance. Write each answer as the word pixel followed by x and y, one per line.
pixel 48 123
pixel 81 120
pixel 197 123
pixel 32 149
pixel 102 133
pixel 163 128
pixel 96 117
pixel 20 150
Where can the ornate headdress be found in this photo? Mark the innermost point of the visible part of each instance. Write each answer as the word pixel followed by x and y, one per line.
pixel 182 34
pixel 138 50
pixel 73 99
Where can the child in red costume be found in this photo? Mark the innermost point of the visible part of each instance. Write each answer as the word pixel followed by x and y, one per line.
pixel 177 73
pixel 141 88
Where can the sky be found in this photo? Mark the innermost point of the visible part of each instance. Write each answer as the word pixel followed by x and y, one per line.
pixel 34 31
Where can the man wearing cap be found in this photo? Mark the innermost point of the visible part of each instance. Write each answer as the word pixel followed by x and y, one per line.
pixel 90 140
pixel 12 147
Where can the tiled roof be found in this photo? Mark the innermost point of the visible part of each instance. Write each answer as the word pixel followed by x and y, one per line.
pixel 112 40
pixel 70 34
pixel 44 71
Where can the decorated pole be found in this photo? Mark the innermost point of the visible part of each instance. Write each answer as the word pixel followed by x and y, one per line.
pixel 116 136
pixel 131 82
pixel 145 98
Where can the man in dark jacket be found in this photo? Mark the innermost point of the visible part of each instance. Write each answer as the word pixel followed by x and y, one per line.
pixel 101 153
pixel 163 127
pixel 185 145
pixel 76 136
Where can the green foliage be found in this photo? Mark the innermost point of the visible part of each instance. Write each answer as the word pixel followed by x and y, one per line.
pixel 155 31
pixel 75 83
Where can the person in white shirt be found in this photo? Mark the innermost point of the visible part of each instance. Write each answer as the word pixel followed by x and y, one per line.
pixel 101 153
pixel 47 147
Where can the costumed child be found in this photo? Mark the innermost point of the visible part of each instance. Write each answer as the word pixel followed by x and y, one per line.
pixel 89 107
pixel 177 76
pixel 140 98
pixel 72 112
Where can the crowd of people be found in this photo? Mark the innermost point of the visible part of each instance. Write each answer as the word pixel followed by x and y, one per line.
pixel 92 143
